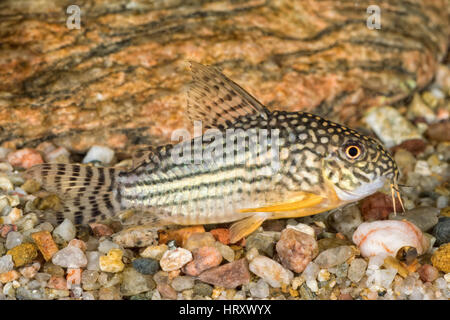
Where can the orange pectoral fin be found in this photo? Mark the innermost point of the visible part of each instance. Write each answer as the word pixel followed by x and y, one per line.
pixel 298 200
pixel 244 227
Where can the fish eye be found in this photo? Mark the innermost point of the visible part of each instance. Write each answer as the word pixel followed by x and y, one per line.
pixel 352 151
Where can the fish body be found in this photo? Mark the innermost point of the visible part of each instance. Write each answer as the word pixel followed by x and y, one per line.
pixel 251 164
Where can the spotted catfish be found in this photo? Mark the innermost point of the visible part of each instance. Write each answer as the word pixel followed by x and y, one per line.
pixel 282 165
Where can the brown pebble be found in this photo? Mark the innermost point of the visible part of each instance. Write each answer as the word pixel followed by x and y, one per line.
pixel 415 146
pixel 345 296
pixel 378 207
pixel 204 258
pixel 296 249
pixel 180 235
pixel 167 291
pixel 58 283
pixel 23 254
pixel 428 273
pixel 439 131
pixel 229 275
pixel 100 229
pixel 45 243
pixel 221 234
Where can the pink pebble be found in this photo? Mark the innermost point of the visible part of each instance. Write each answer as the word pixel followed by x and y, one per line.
pixel 204 258
pixel 24 158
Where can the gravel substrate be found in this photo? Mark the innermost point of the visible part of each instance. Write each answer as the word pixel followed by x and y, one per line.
pixel 362 251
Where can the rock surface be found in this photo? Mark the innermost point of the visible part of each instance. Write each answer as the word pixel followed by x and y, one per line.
pixel 97 85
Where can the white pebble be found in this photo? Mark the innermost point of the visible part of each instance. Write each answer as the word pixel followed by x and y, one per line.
pixel 106 245
pixel 271 271
pixel 5 184
pixel 70 257
pixel 99 153
pixel 66 230
pixel 259 289
pixel 175 259
pixel 311 271
pixel 13 240
pixel 93 260
pixel 303 228
pixel 375 262
pixel 312 285
pixel 6 263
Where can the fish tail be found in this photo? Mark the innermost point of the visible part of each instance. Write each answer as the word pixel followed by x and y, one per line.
pixel 89 194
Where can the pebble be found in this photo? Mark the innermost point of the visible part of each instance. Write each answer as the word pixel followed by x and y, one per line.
pixel 109 293
pixel 89 280
pixel 166 291
pixel 441 258
pixel 99 153
pixel 31 186
pixel 45 244
pixel 428 273
pixel 392 263
pixel 59 283
pixel 424 218
pixel 6 263
pixel 222 235
pixel 30 271
pixel 24 158
pixel 106 245
pixel 7 228
pixel 23 254
pixel 14 217
pixel 381 278
pixel 52 269
pixel 101 230
pixel 378 206
pixel 296 249
pixel 328 243
pixel 229 275
pixel 58 155
pixel 204 258
pixel 140 236
pixel 346 220
pixel 405 160
pixel 198 240
pixel 419 109
pixel 357 270
pixel 202 289
pixel 226 252
pixel 49 202
pixel 146 265
pixel 6 184
pixel 263 241
pixel 80 244
pixel 390 126
pixel 442 230
pixel 182 283
pixel 180 235
pixel 13 239
pixel 73 277
pixel 271 271
pixel 66 230
pixel 439 131
pixel 154 252
pixel 301 227
pixel 112 262
pixel 259 289
pixel 175 259
pixel 134 282
pixel 333 257
pixel 70 257
pixel 9 276
pixel 93 258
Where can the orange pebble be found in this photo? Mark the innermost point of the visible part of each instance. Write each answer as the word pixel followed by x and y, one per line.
pixel 45 244
pixel 9 276
pixel 222 235
pixel 180 235
pixel 73 277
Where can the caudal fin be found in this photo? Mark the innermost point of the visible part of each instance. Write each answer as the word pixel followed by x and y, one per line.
pixel 89 194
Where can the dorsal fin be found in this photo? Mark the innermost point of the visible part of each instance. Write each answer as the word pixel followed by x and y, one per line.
pixel 218 101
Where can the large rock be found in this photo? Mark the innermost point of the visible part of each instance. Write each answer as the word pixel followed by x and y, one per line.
pixel 118 80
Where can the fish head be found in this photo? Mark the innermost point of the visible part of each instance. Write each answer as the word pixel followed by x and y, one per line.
pixel 358 165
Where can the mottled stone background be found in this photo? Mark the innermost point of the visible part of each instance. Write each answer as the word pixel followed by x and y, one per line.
pixel 119 80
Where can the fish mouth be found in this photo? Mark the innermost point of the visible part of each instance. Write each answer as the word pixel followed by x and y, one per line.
pixel 362 191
